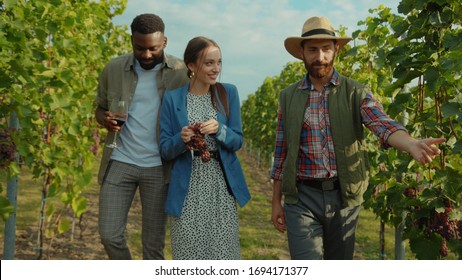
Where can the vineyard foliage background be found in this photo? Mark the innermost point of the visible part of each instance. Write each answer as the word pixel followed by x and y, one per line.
pixel 51 55
pixel 411 62
pixel 53 51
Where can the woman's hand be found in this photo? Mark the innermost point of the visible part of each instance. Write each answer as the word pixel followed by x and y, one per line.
pixel 186 134
pixel 210 127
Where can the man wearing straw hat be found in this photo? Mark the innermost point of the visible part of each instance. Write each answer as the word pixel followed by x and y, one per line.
pixel 320 162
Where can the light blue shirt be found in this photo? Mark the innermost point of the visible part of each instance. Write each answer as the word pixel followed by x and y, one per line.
pixel 138 137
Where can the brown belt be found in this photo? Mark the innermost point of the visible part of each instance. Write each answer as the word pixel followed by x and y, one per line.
pixel 213 154
pixel 323 185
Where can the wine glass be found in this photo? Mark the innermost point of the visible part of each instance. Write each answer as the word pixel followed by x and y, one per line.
pixel 119 110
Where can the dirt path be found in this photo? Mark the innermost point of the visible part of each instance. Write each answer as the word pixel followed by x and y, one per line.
pixel 84 243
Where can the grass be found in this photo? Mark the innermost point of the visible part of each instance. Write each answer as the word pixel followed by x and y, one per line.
pixel 368 239
pixel 259 240
pixel 29 198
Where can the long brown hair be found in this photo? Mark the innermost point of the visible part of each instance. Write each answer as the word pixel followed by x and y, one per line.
pixel 192 54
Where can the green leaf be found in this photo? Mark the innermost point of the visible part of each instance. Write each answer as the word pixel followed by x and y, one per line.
pixel 59 100
pixel 435 19
pixel 398 54
pixel 411 164
pixel 452 40
pixel 63 226
pixel 53 190
pixel 10 3
pixel 406 6
pixel 79 205
pixel 85 178
pixel 450 109
pixel 451 64
pixel 48 73
pixel 457 147
pixel 6 208
pixel 399 26
pixel 455 246
pixel 426 248
pixel 440 210
pixel 418 25
pixel 21 70
pixel 431 76
pixel 50 210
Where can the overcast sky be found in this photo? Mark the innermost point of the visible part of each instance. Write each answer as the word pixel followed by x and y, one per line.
pixel 250 33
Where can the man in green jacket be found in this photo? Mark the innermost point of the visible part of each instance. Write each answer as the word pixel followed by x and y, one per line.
pixel 140 79
pixel 320 162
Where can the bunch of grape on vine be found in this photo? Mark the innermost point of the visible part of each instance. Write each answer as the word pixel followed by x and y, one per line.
pixel 7 148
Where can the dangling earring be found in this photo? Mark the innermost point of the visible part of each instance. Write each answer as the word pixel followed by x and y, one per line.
pixel 191 74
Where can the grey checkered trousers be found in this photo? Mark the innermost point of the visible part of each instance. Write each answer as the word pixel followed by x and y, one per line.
pixel 116 195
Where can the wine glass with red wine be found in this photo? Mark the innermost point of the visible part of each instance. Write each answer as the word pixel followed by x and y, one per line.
pixel 119 110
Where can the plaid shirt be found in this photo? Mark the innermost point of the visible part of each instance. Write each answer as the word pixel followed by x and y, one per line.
pixel 310 163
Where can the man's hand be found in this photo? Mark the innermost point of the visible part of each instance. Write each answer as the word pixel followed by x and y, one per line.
pixel 425 150
pixel 277 216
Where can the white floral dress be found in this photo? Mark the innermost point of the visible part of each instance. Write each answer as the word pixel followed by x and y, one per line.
pixel 208 227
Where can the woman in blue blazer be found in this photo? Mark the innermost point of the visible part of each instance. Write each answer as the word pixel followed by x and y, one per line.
pixel 203 188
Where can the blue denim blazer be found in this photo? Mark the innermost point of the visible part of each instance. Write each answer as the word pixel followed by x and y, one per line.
pixel 229 139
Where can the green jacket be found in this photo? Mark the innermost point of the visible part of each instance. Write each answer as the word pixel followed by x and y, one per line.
pixel 119 80
pixel 347 132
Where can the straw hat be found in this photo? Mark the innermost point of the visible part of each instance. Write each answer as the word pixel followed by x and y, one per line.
pixel 314 28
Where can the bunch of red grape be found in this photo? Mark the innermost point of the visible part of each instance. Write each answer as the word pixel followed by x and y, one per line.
pixel 198 142
pixel 459 228
pixel 441 224
pixel 410 192
pixel 7 148
pixel 444 249
pixel 94 148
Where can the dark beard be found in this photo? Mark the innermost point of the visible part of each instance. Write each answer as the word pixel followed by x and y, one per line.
pixel 148 65
pixel 319 73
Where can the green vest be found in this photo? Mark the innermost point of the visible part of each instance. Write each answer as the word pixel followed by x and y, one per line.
pixel 347 132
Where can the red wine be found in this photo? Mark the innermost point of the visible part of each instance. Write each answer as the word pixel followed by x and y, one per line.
pixel 120 122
